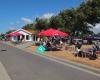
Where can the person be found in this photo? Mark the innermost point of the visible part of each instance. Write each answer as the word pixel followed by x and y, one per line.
pixel 94 48
pixel 97 46
pixel 48 45
pixel 38 39
pixel 77 45
pixel 61 43
pixel 78 52
pixel 93 52
pixel 44 43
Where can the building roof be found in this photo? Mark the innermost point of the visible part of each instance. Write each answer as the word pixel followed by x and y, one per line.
pixel 29 31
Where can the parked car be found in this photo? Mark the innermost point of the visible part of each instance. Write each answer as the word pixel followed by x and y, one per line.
pixel 79 41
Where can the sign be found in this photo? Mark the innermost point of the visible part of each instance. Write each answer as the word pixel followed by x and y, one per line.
pixel 40 49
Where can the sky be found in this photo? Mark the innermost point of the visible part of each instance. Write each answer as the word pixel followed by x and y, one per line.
pixel 16 13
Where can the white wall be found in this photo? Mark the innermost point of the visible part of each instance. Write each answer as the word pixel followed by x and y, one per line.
pixel 24 33
pixel 14 38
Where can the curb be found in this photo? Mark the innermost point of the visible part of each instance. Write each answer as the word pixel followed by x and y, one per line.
pixel 3 73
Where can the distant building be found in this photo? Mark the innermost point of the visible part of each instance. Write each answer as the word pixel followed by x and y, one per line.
pixel 23 35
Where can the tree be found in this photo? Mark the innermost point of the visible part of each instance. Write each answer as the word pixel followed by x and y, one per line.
pixel 9 31
pixel 91 10
pixel 67 19
pixel 56 22
pixel 74 21
pixel 29 26
pixel 77 19
pixel 41 24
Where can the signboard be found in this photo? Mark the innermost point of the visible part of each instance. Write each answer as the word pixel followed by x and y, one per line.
pixel 40 49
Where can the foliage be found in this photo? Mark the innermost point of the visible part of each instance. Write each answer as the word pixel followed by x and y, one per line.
pixel 29 26
pixel 74 21
pixel 41 24
pixel 91 10
pixel 10 31
pixel 56 22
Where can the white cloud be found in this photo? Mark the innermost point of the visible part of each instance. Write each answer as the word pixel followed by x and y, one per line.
pixel 90 25
pixel 47 15
pixel 26 20
pixel 97 26
pixel 12 28
pixel 14 25
pixel 17 22
pixel 96 29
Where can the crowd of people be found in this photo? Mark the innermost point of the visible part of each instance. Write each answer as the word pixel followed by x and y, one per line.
pixel 90 52
pixel 58 44
pixel 52 45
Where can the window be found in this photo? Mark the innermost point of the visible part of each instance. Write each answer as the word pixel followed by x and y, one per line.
pixel 27 37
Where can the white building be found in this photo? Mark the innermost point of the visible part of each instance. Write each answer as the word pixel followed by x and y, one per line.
pixel 26 35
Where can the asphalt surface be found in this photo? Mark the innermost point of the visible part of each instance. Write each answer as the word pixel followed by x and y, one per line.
pixel 22 65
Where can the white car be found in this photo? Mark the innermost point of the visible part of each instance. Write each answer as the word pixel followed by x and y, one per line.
pixel 79 41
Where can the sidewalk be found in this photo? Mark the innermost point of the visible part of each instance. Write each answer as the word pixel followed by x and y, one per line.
pixel 3 73
pixel 21 45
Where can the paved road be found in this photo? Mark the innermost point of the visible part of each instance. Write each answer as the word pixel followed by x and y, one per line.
pixel 22 65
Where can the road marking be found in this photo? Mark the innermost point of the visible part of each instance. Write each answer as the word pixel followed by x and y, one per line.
pixel 3 73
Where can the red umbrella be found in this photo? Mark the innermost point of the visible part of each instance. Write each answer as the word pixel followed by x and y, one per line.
pixel 14 34
pixel 52 32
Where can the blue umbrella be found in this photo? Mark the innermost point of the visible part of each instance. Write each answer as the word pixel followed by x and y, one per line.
pixel 93 37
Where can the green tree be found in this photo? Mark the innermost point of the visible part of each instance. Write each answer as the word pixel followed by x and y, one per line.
pixel 91 10
pixel 9 31
pixel 74 21
pixel 41 24
pixel 29 26
pixel 67 19
pixel 56 22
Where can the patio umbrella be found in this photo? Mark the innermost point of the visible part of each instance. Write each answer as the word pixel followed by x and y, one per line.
pixel 52 32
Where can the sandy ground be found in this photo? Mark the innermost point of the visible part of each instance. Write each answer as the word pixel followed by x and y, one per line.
pixel 67 54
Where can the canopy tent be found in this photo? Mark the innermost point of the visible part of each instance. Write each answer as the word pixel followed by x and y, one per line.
pixel 52 32
pixel 14 34
pixel 93 37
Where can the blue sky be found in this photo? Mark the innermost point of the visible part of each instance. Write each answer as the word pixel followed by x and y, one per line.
pixel 16 13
